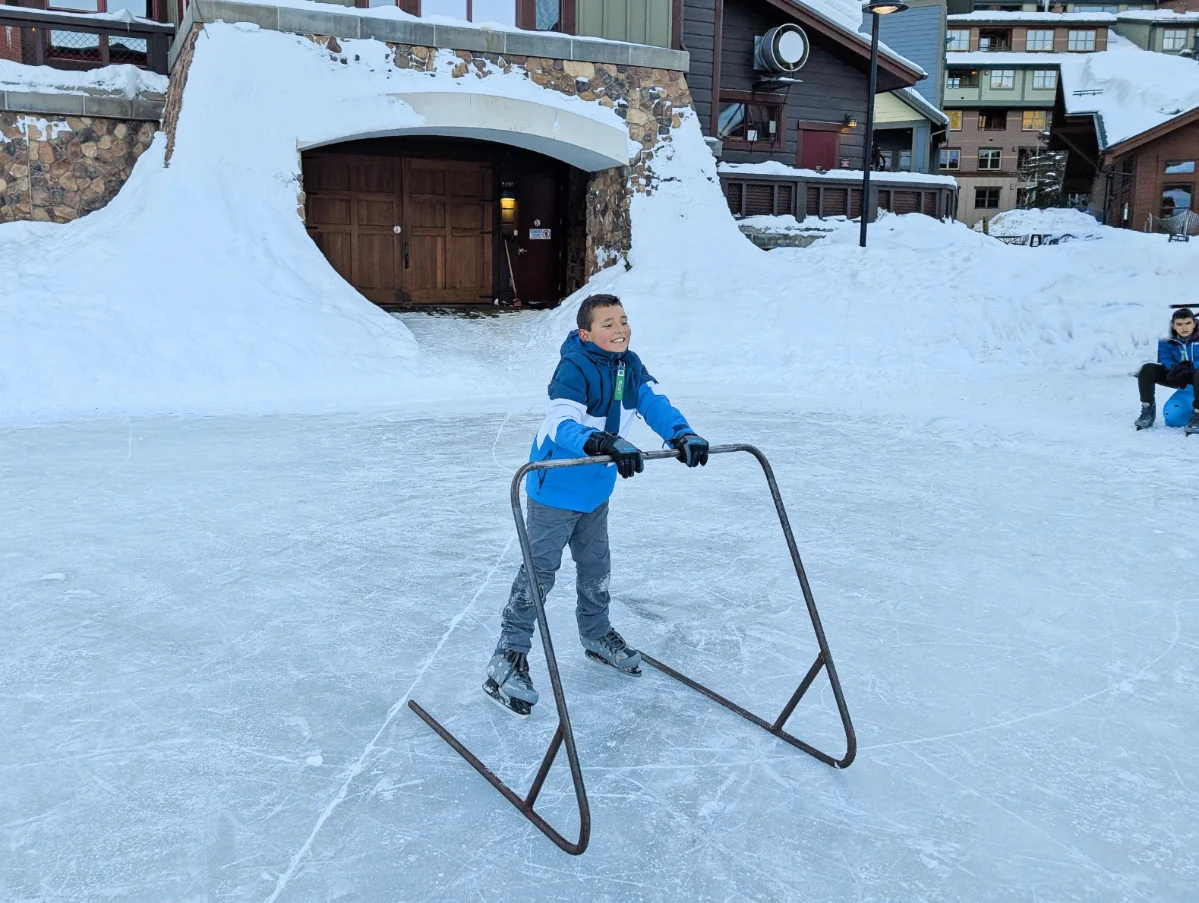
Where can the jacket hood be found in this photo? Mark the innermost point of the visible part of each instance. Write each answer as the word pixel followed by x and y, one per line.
pixel 592 350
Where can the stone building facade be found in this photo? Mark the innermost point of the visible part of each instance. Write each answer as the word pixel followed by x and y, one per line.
pixel 59 168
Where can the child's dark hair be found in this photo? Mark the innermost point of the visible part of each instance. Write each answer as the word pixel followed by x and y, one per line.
pixel 586 316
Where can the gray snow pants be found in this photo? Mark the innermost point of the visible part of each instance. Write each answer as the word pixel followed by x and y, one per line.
pixel 550 530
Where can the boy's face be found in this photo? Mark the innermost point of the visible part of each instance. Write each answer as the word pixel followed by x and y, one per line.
pixel 1184 328
pixel 610 328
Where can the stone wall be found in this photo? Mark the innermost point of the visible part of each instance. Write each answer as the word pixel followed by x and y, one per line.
pixel 174 101
pixel 59 169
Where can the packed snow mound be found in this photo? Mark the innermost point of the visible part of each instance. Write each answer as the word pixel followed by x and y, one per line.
pixel 197 288
pixel 1049 221
pixel 924 304
pixel 123 80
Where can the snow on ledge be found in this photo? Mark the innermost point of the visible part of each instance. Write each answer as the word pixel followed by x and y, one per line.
pixel 121 81
pixel 774 168
pixel 1046 18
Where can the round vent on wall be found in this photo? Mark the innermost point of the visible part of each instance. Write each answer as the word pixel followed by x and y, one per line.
pixel 782 49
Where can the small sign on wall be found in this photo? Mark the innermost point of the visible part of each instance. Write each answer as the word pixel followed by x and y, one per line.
pixel 539 234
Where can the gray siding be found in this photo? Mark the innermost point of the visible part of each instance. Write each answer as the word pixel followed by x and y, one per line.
pixel 919 35
pixel 637 21
pixel 829 87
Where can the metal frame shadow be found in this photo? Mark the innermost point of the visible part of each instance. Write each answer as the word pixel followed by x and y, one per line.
pixel 564 735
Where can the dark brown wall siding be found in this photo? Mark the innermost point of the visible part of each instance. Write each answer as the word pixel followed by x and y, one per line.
pixel 699 39
pixel 829 87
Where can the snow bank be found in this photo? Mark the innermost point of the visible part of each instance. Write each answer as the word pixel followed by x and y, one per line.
pixel 236 310
pixel 124 80
pixel 924 305
pixel 1053 221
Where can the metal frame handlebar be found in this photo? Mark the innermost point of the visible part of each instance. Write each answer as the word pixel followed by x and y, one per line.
pixel 564 735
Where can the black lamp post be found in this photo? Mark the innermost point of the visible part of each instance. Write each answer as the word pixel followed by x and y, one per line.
pixel 877 9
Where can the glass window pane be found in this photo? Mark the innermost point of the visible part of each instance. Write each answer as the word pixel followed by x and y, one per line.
pixel 1176 198
pixel 137 7
pixel 453 8
pixel 502 12
pixel 549 13
pixel 731 121
pixel 1176 167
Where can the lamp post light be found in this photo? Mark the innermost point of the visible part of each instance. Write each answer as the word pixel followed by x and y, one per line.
pixel 876 9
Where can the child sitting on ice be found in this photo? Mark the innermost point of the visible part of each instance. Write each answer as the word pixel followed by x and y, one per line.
pixel 597 389
pixel 1175 368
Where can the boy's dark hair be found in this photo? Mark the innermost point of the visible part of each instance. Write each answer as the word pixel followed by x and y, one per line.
pixel 586 315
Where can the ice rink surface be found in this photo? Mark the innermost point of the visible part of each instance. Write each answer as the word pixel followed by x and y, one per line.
pixel 211 627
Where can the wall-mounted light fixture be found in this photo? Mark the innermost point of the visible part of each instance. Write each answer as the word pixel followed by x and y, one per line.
pixel 508 212
pixel 851 121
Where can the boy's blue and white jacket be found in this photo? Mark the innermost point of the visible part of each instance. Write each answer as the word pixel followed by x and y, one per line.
pixel 583 401
pixel 1173 350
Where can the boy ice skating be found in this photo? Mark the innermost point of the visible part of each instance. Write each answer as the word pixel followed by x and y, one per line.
pixel 1175 368
pixel 597 389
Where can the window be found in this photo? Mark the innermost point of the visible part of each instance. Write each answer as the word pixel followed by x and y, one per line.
pixel 1040 39
pixel 501 11
pixel 961 78
pixel 986 198
pixel 1044 79
pixel 995 39
pixel 541 15
pixel 1174 39
pixel 951 158
pixel 992 120
pixel 1080 39
pixel 1179 167
pixel 1025 156
pixel 955 120
pixel 1004 79
pixel 1176 199
pixel 1026 197
pixel 957 39
pixel 1035 121
pixel 741 120
pixel 990 158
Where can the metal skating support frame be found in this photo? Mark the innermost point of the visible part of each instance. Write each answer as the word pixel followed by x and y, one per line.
pixel 564 735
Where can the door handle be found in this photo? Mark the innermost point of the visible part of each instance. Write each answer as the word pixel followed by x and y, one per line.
pixel 405 255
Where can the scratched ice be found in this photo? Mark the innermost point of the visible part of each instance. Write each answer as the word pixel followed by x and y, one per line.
pixel 211 626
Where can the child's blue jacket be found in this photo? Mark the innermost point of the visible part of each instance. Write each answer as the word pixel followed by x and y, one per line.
pixel 1174 350
pixel 582 400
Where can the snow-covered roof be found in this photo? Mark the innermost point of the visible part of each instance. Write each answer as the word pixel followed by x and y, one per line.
pixel 774 168
pixel 1041 18
pixel 1159 17
pixel 922 105
pixel 991 59
pixel 1128 90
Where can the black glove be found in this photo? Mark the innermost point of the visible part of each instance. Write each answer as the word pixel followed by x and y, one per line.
pixel 1181 373
pixel 624 454
pixel 693 451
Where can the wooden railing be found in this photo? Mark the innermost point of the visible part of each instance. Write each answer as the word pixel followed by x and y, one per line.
pixel 753 194
pixel 83 41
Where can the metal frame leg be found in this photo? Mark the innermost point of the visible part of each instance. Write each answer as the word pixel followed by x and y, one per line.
pixel 564 735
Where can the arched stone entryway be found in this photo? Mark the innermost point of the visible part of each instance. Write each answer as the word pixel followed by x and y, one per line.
pixel 417 215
